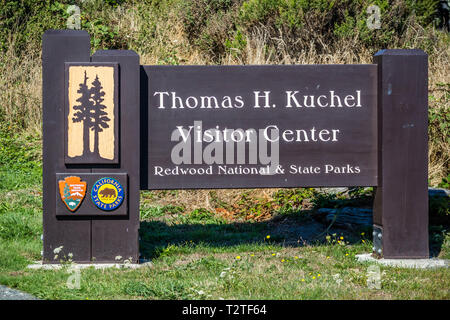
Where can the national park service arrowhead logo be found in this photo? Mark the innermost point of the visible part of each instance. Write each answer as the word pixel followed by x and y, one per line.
pixel 72 191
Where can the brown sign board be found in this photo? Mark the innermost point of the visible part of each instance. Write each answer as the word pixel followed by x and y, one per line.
pixel 112 127
pixel 262 126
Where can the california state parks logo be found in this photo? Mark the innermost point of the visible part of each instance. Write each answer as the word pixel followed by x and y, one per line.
pixel 72 191
pixel 107 194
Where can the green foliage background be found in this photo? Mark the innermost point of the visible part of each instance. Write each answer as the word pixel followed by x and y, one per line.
pixel 214 25
pixel 221 32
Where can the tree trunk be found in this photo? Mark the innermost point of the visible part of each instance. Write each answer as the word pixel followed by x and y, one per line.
pixel 96 143
pixel 85 138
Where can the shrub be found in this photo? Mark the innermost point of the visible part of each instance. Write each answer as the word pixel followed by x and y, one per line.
pixel 225 31
pixel 208 24
pixel 24 21
pixel 439 210
pixel 298 24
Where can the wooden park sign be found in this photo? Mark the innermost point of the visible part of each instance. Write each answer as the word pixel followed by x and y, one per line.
pixel 112 127
pixel 261 126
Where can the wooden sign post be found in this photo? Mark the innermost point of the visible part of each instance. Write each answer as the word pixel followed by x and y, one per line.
pixel 401 201
pixel 113 127
pixel 91 132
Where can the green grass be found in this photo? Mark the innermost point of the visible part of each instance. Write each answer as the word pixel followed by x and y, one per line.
pixel 253 271
pixel 197 258
pixel 200 255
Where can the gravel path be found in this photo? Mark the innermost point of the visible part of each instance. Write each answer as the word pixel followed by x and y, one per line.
pixel 12 294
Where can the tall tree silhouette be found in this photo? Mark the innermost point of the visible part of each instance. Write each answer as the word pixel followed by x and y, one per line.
pixel 98 114
pixel 83 112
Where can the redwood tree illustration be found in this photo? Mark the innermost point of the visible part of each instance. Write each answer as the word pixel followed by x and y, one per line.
pixel 99 119
pixel 83 112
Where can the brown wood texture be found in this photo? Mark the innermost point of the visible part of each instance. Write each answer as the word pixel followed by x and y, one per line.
pixel 401 201
pixel 90 234
pixel 73 234
pixel 356 146
pixel 119 237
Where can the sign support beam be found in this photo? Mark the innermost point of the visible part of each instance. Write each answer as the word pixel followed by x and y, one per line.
pixel 119 235
pixel 401 200
pixel 58 47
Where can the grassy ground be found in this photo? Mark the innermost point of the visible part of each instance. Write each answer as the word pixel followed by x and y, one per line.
pixel 200 254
